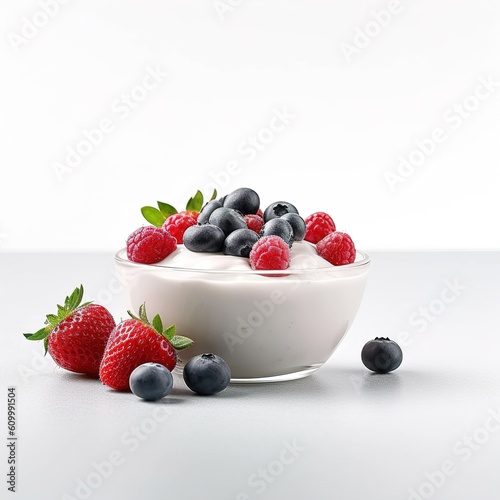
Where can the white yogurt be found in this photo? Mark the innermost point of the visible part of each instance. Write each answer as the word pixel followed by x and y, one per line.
pixel 303 255
pixel 265 327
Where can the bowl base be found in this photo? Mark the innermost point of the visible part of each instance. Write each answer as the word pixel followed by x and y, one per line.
pixel 305 372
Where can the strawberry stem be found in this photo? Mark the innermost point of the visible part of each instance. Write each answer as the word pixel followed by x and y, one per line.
pixel 71 303
pixel 178 341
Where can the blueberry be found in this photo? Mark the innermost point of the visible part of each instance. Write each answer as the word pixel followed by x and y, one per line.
pixel 381 355
pixel 227 219
pixel 279 227
pixel 204 238
pixel 240 242
pixel 297 223
pixel 277 209
pixel 207 374
pixel 151 381
pixel 245 200
pixel 207 210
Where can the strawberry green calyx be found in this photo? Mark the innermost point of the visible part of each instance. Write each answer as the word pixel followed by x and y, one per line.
pixel 178 341
pixel 157 216
pixel 71 304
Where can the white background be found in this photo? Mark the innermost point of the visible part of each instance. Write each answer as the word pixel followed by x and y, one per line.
pixel 228 70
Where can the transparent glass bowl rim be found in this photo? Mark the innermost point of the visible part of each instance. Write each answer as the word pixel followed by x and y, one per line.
pixel 361 264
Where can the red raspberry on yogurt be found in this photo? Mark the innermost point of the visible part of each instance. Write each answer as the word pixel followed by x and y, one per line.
pixel 270 252
pixel 318 225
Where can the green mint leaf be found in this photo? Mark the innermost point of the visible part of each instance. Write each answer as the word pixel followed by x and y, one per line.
pixel 196 202
pixel 179 342
pixel 157 324
pixel 153 216
pixel 214 195
pixel 166 209
pixel 46 345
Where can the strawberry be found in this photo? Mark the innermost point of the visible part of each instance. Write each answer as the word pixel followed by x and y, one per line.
pixel 76 336
pixel 158 216
pixel 136 341
pixel 192 213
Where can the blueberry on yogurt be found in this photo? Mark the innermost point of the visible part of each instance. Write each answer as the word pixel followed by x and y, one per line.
pixel 298 225
pixel 227 219
pixel 278 227
pixel 240 242
pixel 204 238
pixel 279 208
pixel 207 210
pixel 245 200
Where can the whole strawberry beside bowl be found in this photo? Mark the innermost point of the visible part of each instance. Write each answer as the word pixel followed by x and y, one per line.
pixel 136 341
pixel 77 335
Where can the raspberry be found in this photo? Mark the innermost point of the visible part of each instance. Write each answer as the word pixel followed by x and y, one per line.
pixel 176 224
pixel 254 222
pixel 337 248
pixel 318 225
pixel 270 252
pixel 150 244
pixel 260 213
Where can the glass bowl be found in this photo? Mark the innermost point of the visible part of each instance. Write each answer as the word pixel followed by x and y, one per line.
pixel 267 325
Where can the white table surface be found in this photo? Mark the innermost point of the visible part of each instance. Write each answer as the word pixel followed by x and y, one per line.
pixel 354 435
